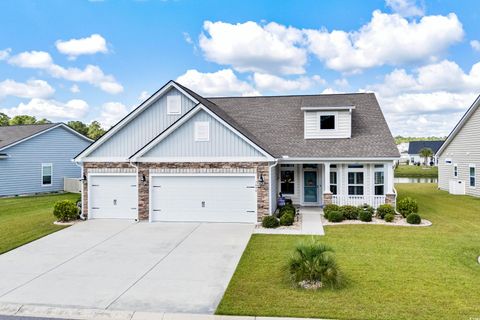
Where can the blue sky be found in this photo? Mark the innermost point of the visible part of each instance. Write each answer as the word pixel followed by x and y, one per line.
pixel 96 60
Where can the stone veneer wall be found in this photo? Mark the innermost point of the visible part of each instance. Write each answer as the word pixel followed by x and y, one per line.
pixel 261 168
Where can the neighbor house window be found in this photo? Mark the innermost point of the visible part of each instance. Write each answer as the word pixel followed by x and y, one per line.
pixel 327 122
pixel 47 170
pixel 174 105
pixel 455 170
pixel 472 175
pixel 355 183
pixel 202 131
pixel 287 178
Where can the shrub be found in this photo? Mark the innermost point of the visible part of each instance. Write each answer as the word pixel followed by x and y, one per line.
pixel 65 210
pixel 335 216
pixel 365 216
pixel 287 209
pixel 269 222
pixel 385 209
pixel 407 206
pixel 368 208
pixel 329 208
pixel 350 212
pixel 414 218
pixel 287 219
pixel 314 262
pixel 389 217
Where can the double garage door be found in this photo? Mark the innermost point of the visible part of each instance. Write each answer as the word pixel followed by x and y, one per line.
pixel 216 198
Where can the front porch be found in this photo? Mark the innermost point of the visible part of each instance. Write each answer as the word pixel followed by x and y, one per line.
pixel 317 184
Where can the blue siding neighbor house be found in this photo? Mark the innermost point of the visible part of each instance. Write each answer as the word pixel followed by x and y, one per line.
pixel 36 158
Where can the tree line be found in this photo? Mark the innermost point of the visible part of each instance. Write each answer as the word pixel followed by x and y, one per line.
pixel 400 139
pixel 93 130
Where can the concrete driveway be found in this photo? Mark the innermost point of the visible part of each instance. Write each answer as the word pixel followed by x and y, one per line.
pixel 119 265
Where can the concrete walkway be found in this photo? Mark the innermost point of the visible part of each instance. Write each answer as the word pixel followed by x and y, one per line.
pixel 311 224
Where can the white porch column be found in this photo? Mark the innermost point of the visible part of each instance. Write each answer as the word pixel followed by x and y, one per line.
pixel 389 178
pixel 326 178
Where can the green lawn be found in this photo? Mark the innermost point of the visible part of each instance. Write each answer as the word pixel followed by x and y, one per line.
pixel 405 171
pixel 24 219
pixel 393 272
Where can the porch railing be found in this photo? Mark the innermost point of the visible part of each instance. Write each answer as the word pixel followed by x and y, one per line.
pixel 374 201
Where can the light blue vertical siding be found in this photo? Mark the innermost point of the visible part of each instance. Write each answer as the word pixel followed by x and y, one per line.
pixel 21 172
pixel 141 130
pixel 223 142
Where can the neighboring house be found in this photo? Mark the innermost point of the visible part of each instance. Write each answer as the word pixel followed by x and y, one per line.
pixel 182 157
pixel 414 148
pixel 403 149
pixel 459 156
pixel 35 158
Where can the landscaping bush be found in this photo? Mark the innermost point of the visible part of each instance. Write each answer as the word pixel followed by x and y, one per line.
pixel 385 209
pixel 350 212
pixel 335 216
pixel 314 263
pixel 288 208
pixel 414 218
pixel 389 217
pixel 65 210
pixel 270 222
pixel 287 219
pixel 407 206
pixel 329 208
pixel 368 208
pixel 365 216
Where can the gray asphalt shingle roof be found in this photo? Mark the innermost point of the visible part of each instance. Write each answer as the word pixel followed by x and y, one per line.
pixel 414 147
pixel 12 134
pixel 277 124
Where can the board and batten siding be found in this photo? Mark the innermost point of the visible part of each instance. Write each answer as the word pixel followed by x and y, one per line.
pixel 21 172
pixel 343 124
pixel 222 142
pixel 141 130
pixel 463 150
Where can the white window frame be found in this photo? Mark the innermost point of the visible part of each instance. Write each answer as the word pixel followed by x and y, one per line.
pixel 356 184
pixel 45 165
pixel 295 178
pixel 470 166
pixel 455 170
pixel 198 129
pixel 333 170
pixel 375 170
pixel 320 114
pixel 174 105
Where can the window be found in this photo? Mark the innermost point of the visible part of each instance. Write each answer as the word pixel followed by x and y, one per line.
pixel 355 166
pixel 47 170
pixel 472 176
pixel 379 183
pixel 174 105
pixel 287 178
pixel 448 161
pixel 455 170
pixel 327 122
pixel 202 131
pixel 333 182
pixel 355 183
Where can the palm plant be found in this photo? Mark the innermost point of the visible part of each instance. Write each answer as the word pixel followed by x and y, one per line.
pixel 314 262
pixel 426 153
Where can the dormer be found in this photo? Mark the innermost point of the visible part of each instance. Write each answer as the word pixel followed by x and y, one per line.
pixel 328 122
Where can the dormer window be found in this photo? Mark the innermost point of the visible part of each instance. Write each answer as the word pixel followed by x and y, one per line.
pixel 327 122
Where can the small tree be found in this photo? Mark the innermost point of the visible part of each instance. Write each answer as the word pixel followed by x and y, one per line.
pixel 22 119
pixel 95 130
pixel 4 119
pixel 426 153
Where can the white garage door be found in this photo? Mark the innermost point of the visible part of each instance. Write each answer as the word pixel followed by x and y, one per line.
pixel 113 197
pixel 203 198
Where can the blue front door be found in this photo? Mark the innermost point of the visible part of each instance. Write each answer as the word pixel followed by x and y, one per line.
pixel 310 186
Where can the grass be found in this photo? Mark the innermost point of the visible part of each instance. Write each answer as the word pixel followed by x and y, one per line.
pixel 392 272
pixel 406 171
pixel 24 219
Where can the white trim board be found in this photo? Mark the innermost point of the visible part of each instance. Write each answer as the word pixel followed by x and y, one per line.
pixel 147 103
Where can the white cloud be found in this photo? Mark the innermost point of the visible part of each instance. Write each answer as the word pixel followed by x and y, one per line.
pixel 75 89
pixel 272 48
pixel 406 8
pixel 221 83
pixel 4 54
pixel 144 95
pixel 268 82
pixel 50 109
pixel 29 89
pixel 386 39
pixel 475 45
pixel 187 37
pixel 90 74
pixel 341 82
pixel 76 47
pixel 112 112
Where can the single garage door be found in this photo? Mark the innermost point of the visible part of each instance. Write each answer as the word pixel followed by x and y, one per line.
pixel 113 197
pixel 203 198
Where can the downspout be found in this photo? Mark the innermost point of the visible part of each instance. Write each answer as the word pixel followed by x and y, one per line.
pixel 271 203
pixel 136 167
pixel 80 164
